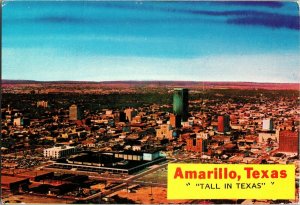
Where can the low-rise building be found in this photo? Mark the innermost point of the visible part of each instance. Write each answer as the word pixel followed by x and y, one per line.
pixel 164 132
pixel 59 152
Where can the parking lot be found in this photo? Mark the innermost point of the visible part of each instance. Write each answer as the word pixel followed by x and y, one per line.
pixel 158 176
pixel 27 198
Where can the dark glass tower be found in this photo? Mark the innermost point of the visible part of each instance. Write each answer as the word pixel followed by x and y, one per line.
pixel 181 103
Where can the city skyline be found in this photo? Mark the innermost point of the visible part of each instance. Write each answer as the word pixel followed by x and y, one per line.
pixel 188 41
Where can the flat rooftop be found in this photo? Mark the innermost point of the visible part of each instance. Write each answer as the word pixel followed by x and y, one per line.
pixel 34 173
pixel 9 179
pixel 65 147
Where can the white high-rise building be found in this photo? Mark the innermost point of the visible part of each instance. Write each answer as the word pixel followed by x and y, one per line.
pixel 267 124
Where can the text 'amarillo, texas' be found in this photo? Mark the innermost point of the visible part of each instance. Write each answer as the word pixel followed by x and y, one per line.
pixel 219 181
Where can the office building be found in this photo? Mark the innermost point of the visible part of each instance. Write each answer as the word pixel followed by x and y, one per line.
pixel 122 116
pixel 18 121
pixel 196 145
pixel 267 125
pixel 223 123
pixel 180 103
pixel 289 141
pixel 43 104
pixel 75 112
pixel 59 152
pixel 264 136
pixel 175 121
pixel 130 114
pixel 164 132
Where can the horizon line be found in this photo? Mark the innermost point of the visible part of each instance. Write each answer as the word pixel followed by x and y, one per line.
pixel 191 81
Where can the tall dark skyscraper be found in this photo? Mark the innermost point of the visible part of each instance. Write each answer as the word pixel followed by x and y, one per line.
pixel 181 103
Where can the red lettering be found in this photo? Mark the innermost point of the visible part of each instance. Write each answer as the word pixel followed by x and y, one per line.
pixel 283 174
pixel 264 174
pixel 255 174
pixel 178 173
pixel 201 175
pixel 248 170
pixel 215 173
pixel 225 173
pixel 220 173
pixel 209 173
pixel 274 174
pixel 232 174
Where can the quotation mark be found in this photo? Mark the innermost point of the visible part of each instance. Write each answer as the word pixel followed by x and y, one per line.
pixel 188 184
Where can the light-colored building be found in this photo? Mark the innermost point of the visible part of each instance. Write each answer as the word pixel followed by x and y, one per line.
pixel 75 113
pixel 130 113
pixel 164 132
pixel 108 112
pixel 134 156
pixel 150 156
pixel 18 121
pixel 202 135
pixel 138 156
pixel 59 152
pixel 42 103
pixel 267 124
pixel 264 136
pixel 136 148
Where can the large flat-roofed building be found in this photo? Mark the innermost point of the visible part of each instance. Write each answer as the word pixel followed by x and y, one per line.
pixel 139 156
pixel 14 184
pixel 181 103
pixel 59 152
pixel 36 175
pixel 126 162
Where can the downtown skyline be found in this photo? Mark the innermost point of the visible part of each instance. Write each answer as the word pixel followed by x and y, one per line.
pixel 188 41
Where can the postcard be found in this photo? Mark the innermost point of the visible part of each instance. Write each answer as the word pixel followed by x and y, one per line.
pixel 150 102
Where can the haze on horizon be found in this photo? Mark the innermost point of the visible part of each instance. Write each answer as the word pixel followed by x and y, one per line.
pixel 173 41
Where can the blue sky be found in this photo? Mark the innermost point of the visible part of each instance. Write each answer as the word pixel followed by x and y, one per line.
pixel 197 41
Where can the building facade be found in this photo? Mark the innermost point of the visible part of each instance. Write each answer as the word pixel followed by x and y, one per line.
pixel 267 124
pixel 59 152
pixel 43 104
pixel 75 113
pixel 196 145
pixel 289 141
pixel 164 132
pixel 223 123
pixel 175 121
pixel 130 114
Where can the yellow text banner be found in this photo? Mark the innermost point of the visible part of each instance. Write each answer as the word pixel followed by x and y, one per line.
pixel 231 181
